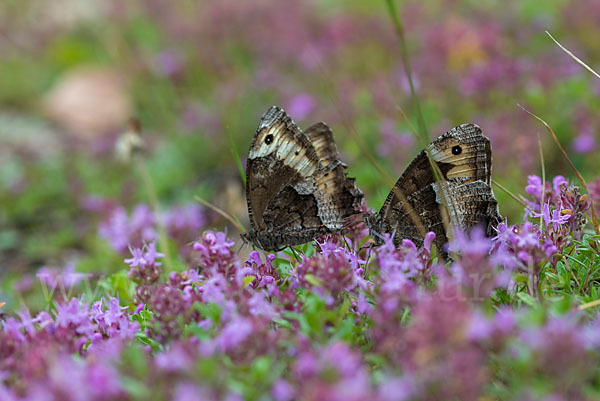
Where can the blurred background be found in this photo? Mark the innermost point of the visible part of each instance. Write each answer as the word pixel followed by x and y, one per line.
pixel 199 74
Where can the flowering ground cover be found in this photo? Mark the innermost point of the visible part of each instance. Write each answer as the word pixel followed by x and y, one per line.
pixel 115 284
pixel 508 318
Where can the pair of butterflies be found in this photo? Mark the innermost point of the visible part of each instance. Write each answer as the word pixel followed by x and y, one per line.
pixel 297 188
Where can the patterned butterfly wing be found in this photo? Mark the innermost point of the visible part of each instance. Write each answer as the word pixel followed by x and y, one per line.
pixel 418 203
pixel 292 196
pixel 337 194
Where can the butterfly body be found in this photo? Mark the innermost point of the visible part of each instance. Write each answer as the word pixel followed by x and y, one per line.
pixel 462 197
pixel 296 187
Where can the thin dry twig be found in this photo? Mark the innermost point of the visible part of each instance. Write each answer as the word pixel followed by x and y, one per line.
pixel 574 57
pixel 221 212
pixel 589 305
pixel 507 191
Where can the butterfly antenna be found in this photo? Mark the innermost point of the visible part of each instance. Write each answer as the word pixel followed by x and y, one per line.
pixel 226 215
pixel 577 173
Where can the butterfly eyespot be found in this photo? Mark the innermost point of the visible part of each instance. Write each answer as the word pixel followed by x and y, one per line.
pixel 269 139
pixel 456 150
pixel 297 153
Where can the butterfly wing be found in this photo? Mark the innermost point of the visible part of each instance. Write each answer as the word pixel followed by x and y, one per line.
pixel 474 204
pixel 292 196
pixel 337 194
pixel 418 203
pixel 321 137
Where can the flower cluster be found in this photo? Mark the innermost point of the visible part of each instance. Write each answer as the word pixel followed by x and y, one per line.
pixel 181 223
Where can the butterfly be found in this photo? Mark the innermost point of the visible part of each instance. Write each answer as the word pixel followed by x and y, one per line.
pixel 296 186
pixel 463 196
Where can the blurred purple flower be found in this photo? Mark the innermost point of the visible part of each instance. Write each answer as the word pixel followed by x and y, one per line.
pixel 559 348
pixel 66 277
pixel 122 231
pixel 398 389
pixel 300 106
pixel 333 372
pixel 169 63
pixel 282 391
pixel 75 314
pixel 585 142
pixel 476 267
pixel 393 142
pixel 175 359
pixel 184 223
pixel 191 392
pixel 234 333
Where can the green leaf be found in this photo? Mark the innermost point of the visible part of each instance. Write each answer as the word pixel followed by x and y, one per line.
pixel 313 280
pixel 527 299
pixel 248 280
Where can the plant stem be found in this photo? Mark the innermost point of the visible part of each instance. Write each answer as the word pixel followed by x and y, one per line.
pixel 151 191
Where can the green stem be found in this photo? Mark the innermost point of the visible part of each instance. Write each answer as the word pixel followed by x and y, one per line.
pixel 406 63
pixel 151 191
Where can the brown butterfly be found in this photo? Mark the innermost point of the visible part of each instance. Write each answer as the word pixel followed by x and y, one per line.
pixel 463 196
pixel 296 186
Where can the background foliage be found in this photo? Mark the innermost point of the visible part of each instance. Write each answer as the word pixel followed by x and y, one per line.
pixel 198 75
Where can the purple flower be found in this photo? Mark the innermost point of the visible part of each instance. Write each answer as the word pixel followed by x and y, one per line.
pixel 234 333
pixel 524 243
pixel 113 322
pixel 333 372
pixel 259 306
pixel 554 219
pixel 66 277
pixel 282 391
pixel 559 348
pixel 584 143
pixel 335 269
pixel 145 270
pixel 183 223
pixel 177 358
pixel 481 328
pixel 75 314
pixel 191 392
pixel 393 142
pixel 300 106
pixel 122 231
pixel 400 266
pixel 552 193
pixel 169 63
pixel 104 381
pixel 216 254
pixel 398 389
